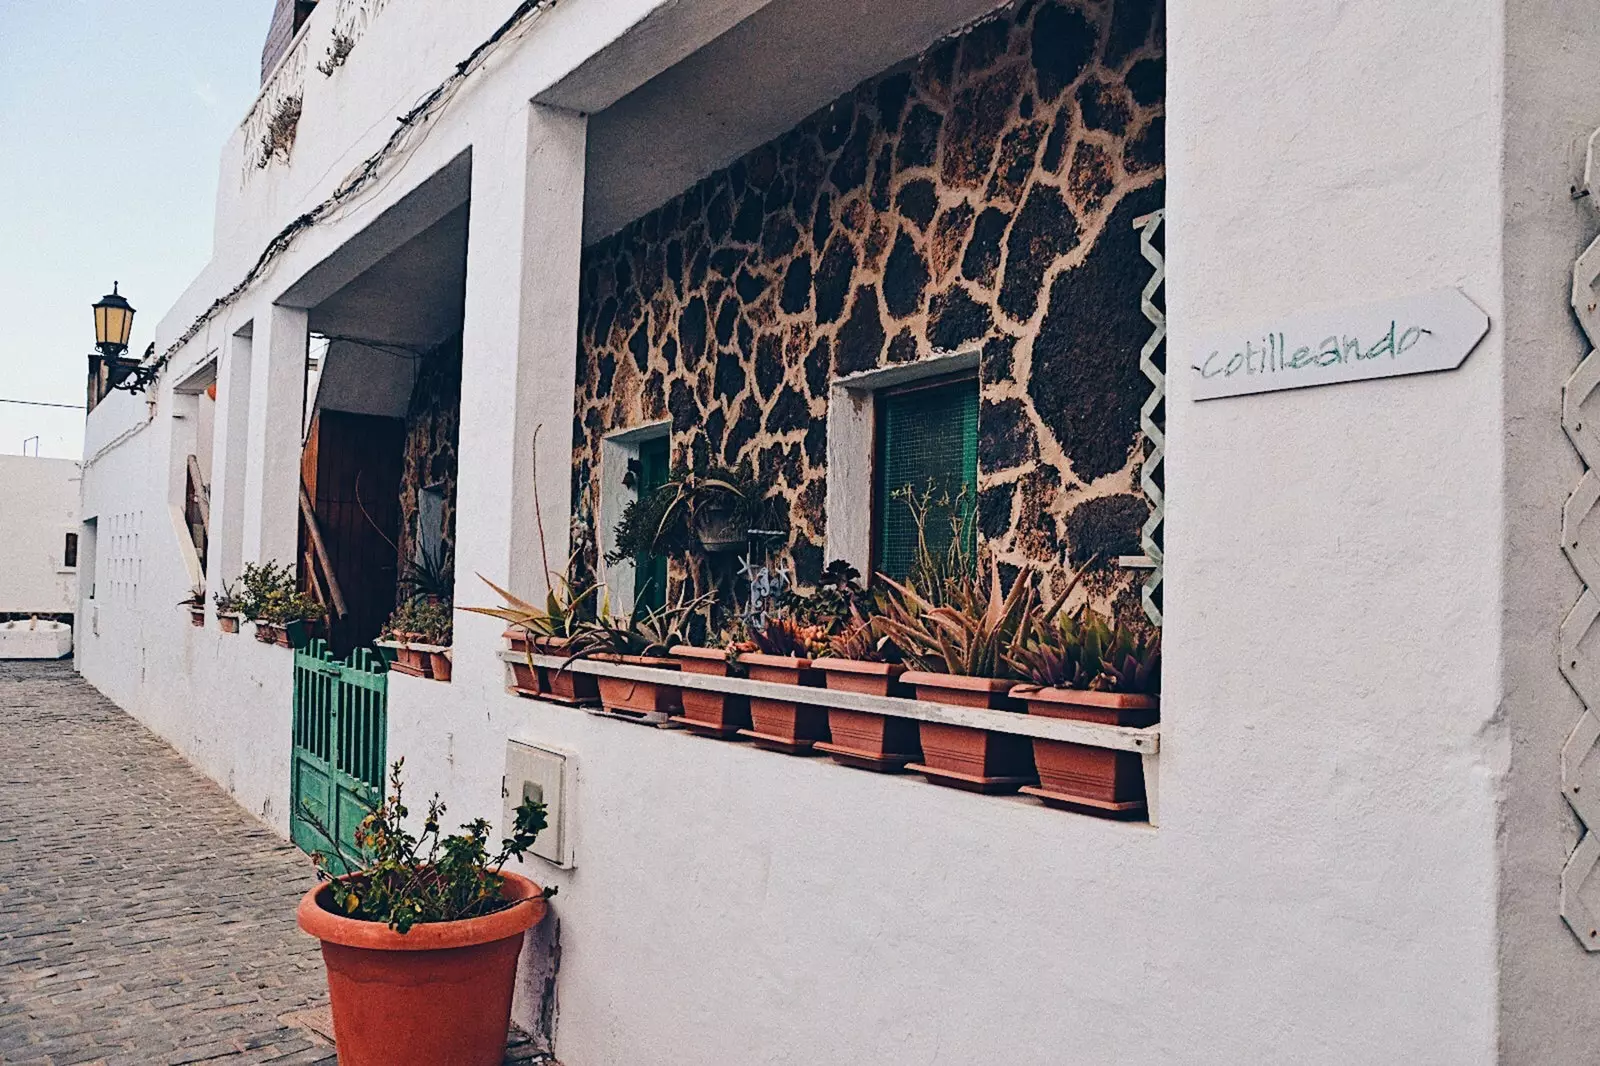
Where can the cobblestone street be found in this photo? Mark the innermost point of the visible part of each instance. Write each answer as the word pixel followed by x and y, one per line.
pixel 144 918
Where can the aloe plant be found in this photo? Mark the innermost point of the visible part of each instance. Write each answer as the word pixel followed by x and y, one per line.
pixel 864 639
pixel 649 632
pixel 968 630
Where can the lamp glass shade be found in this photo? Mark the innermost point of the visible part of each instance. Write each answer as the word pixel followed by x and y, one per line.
pixel 113 322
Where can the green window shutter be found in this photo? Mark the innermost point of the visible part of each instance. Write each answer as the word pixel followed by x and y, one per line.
pixel 928 445
pixel 650 571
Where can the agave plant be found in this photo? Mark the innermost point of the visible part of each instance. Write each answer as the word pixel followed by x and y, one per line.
pixel 971 632
pixel 566 607
pixel 648 632
pixel 1086 650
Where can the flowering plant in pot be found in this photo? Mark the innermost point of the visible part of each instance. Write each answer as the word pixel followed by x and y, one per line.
pixel 780 649
pixel 196 602
pixel 422 935
pixel 548 630
pixel 229 603
pixel 642 637
pixel 1090 668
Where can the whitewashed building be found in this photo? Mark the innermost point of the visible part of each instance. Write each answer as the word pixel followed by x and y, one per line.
pixel 680 231
pixel 38 536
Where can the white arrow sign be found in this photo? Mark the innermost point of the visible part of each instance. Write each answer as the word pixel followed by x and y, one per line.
pixel 1411 335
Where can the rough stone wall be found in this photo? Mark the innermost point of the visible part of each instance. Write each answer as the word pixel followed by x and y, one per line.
pixel 980 196
pixel 433 430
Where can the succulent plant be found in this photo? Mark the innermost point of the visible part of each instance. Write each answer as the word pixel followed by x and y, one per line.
pixel 863 639
pixel 1086 650
pixel 783 634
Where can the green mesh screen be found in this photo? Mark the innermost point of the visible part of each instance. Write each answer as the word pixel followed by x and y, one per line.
pixel 927 446
pixel 650 573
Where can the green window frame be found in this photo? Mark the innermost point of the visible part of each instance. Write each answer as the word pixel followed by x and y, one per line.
pixel 650 571
pixel 927 444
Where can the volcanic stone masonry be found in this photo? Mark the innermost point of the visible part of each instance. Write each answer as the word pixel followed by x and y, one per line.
pixel 980 196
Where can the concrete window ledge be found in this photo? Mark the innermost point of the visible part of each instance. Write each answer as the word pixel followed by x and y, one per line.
pixel 1146 742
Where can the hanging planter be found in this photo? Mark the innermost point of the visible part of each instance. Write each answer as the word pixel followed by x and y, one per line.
pixel 716 714
pixel 720 529
pixel 864 739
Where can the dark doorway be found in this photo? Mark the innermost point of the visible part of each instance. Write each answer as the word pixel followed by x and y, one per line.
pixel 351 468
pixel 650 571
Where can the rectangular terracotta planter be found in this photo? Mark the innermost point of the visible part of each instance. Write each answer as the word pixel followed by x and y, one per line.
pixel 197 617
pixel 228 623
pixel 784 725
pixel 267 633
pixel 962 757
pixel 865 739
pixel 440 663
pixel 644 700
pixel 1077 775
pixel 716 714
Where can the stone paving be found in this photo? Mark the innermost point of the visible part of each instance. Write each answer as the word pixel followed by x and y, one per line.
pixel 144 917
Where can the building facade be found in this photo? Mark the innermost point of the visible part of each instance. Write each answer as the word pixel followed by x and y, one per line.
pixel 856 248
pixel 39 528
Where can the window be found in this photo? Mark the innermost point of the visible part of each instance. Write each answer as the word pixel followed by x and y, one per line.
pixel 927 462
pixel 69 552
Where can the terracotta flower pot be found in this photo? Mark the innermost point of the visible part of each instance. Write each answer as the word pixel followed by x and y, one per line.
pixel 439 993
pixel 1077 775
pixel 280 637
pixel 714 714
pixel 563 686
pixel 440 663
pixel 784 725
pixel 963 757
pixel 862 738
pixel 228 623
pixel 197 617
pixel 645 700
pixel 265 632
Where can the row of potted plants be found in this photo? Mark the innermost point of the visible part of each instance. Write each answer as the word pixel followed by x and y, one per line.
pixel 948 636
pixel 419 633
pixel 266 594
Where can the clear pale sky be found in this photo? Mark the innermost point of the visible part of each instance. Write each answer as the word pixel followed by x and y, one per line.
pixel 112 120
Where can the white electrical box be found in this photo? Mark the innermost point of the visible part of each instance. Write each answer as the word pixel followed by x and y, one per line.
pixel 541 774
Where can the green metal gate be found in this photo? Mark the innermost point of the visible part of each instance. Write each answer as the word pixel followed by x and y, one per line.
pixel 341 728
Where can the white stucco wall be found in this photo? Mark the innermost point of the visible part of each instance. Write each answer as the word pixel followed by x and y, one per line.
pixel 38 508
pixel 1349 868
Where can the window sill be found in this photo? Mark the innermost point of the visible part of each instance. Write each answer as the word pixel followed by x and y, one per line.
pixel 1145 742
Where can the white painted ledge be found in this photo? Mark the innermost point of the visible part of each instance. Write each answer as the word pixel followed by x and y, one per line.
pixel 1145 741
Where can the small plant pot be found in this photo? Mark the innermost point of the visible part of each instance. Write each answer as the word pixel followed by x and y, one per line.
pixel 784 725
pixel 643 701
pixel 719 532
pixel 283 636
pixel 439 993
pixel 713 714
pixel 440 663
pixel 864 739
pixel 962 757
pixel 197 617
pixel 1078 776
pixel 267 633
pixel 228 623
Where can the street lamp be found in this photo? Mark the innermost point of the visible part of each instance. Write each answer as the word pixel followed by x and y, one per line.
pixel 113 322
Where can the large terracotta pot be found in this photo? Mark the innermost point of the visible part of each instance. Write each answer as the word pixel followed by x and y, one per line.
pixel 963 757
pixel 440 993
pixel 1077 775
pixel 861 738
pixel 784 725
pixel 646 700
pixel 715 714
